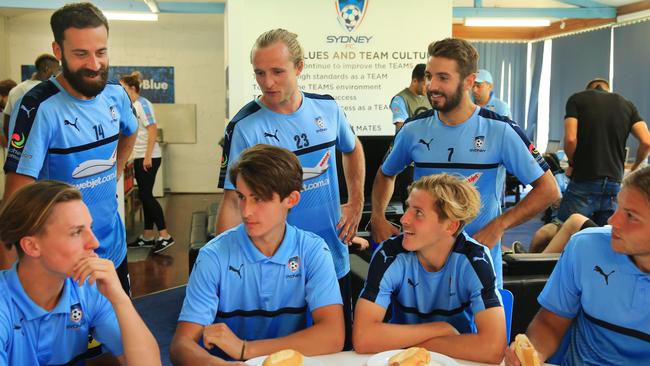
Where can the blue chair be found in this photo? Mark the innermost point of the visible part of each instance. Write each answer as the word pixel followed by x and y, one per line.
pixel 508 302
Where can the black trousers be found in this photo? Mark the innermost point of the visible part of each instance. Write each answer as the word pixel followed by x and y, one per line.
pixel 153 213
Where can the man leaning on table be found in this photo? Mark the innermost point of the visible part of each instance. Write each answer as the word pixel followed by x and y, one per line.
pixel 440 281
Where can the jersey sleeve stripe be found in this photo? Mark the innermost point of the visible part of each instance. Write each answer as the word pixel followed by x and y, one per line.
pixel 379 264
pixel 486 113
pixel 482 267
pixel 28 109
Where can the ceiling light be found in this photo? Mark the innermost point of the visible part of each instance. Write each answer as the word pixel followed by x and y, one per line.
pixel 510 22
pixel 120 15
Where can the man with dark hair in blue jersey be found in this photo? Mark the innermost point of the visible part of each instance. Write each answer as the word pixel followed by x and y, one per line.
pixel 252 286
pixel 599 291
pixel 437 280
pixel 312 126
pixel 77 128
pixel 459 137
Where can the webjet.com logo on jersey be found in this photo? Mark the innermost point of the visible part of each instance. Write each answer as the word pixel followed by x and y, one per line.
pixel 92 183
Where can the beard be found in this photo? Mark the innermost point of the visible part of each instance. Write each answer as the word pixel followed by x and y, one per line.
pixel 451 101
pixel 89 89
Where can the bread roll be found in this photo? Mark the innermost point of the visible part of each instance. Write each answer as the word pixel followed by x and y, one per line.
pixel 414 356
pixel 286 357
pixel 525 351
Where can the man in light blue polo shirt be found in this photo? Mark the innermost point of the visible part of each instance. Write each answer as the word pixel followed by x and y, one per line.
pixel 437 281
pixel 484 95
pixel 599 291
pixel 254 286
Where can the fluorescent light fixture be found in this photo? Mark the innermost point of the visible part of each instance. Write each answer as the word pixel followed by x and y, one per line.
pixel 122 15
pixel 507 22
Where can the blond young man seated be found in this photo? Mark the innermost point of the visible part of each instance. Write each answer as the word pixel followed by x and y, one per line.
pixel 437 282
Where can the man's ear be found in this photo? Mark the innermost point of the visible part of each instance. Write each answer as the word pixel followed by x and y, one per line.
pixel 30 246
pixel 293 199
pixel 57 50
pixel 469 81
pixel 452 226
pixel 300 65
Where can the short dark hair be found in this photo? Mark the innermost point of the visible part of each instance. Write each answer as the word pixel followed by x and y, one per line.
pixel 268 169
pixel 78 15
pixel 418 72
pixel 457 49
pixel 5 86
pixel 28 209
pixel 639 179
pixel 593 82
pixel 46 63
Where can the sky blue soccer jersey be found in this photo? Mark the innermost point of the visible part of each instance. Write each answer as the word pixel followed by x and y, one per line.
pixel 260 297
pixel 29 335
pixel 399 110
pixel 465 286
pixel 479 149
pixel 57 136
pixel 313 133
pixel 498 106
pixel 608 297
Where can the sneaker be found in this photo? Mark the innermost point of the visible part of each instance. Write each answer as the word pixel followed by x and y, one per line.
pixel 140 242
pixel 518 247
pixel 163 244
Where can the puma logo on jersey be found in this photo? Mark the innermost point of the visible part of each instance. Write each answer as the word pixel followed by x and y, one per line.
pixel 274 135
pixel 27 110
pixel 602 273
pixel 425 143
pixel 481 258
pixel 68 123
pixel 386 257
pixel 410 282
pixel 236 270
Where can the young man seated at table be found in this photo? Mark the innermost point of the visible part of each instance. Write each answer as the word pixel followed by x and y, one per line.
pixel 251 286
pixel 599 290
pixel 439 280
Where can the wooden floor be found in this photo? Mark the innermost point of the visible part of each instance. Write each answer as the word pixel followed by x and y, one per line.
pixel 155 272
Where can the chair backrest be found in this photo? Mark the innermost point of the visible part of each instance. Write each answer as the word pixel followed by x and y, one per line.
pixel 508 303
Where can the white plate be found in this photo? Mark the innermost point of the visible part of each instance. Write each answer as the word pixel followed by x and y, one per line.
pixel 257 361
pixel 381 359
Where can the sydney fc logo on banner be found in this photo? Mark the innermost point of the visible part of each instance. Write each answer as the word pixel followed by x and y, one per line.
pixel 351 13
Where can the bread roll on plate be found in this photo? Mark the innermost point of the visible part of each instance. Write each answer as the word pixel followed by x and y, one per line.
pixel 414 356
pixel 286 357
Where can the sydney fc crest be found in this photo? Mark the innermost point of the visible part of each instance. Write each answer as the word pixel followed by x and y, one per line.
pixel 351 13
pixel 479 144
pixel 294 264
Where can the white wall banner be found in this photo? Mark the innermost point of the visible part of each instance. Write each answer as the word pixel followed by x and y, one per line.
pixel 361 52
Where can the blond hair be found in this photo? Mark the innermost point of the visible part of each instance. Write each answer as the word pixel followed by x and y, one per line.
pixel 454 198
pixel 268 38
pixel 133 80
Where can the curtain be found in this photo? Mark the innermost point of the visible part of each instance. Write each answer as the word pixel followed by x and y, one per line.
pixel 507 64
pixel 575 60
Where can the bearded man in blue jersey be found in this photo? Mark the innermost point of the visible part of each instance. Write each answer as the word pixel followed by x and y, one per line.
pixel 599 291
pixel 457 136
pixel 313 127
pixel 77 128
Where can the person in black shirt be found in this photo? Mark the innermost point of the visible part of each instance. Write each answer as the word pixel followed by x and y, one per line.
pixel 596 126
